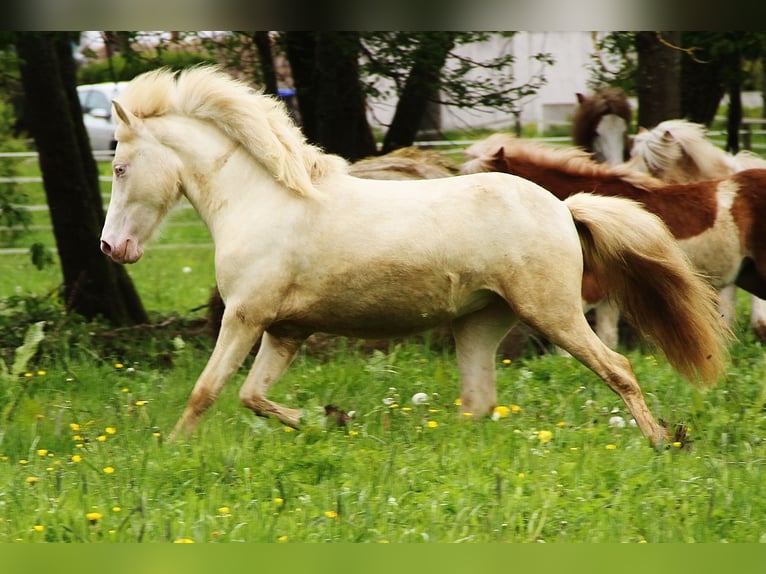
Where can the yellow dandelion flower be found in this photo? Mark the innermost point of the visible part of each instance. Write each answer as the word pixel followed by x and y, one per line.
pixel 279 501
pixel 108 470
pixel 110 430
pixel 141 403
pixel 500 412
pixel 156 435
pixel 561 424
pixel 467 414
pixel 515 409
pixel 76 437
pixel 42 452
pixel 282 538
pixel 183 541
pixel 23 461
pixel 116 509
pixel 32 480
pixel 521 475
pixel 545 436
pixel 39 416
pixel 406 409
pixel 611 447
pixel 225 510
pixel 677 444
pixel 507 361
pixel 38 528
pixel 393 406
pixel 93 517
pixel 41 373
pixel 125 390
pixel 331 514
pixel 29 375
pixel 74 427
pixel 288 429
pixel 432 424
pixel 76 458
pixel 458 402
pixel 118 365
pixel 353 433
pixel 101 438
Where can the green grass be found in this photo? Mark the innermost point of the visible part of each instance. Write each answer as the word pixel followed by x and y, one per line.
pixel 403 473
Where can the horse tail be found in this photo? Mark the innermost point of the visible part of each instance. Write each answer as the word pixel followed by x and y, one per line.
pixel 639 263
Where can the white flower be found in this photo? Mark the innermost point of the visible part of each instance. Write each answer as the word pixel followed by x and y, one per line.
pixel 388 401
pixel 419 399
pixel 186 270
pixel 617 422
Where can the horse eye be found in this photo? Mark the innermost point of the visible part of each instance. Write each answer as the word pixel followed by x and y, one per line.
pixel 119 170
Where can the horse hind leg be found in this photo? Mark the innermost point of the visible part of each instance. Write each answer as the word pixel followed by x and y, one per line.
pixel 477 337
pixel 562 321
pixel 274 356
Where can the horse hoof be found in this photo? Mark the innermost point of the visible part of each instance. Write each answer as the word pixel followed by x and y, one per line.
pixel 341 417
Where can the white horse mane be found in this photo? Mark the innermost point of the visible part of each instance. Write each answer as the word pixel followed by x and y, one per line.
pixel 260 123
pixel 663 147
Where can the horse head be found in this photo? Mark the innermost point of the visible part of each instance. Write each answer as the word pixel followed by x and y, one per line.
pixel 146 183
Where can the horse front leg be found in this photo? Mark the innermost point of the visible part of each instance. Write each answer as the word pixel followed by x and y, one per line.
pixel 274 356
pixel 235 340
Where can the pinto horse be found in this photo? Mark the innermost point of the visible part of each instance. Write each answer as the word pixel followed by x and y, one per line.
pixel 717 223
pixel 679 151
pixel 601 124
pixel 301 246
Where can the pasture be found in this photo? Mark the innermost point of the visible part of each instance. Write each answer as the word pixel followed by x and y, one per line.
pixel 85 458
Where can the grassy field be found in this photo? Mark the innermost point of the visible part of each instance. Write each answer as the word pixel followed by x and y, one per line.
pixel 84 457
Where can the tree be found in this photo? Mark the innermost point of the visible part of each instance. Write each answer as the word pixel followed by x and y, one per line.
pixel 93 285
pixel 657 72
pixel 325 68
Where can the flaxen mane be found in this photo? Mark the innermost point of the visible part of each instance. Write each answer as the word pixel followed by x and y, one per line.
pixel 679 151
pixel 258 122
pixel 572 160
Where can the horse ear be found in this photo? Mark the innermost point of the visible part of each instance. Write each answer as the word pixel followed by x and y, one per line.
pixel 580 97
pixel 127 118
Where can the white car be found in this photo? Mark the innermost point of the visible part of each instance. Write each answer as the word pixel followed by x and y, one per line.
pixel 96 103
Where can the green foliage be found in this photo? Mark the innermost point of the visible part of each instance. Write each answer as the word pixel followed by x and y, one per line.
pixel 122 68
pixel 13 385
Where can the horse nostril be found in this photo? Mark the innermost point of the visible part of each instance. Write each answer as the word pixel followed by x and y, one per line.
pixel 105 247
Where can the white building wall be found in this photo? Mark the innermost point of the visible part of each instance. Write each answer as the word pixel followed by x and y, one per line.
pixel 554 102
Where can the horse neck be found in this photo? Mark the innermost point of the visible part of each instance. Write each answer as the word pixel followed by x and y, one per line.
pixel 220 178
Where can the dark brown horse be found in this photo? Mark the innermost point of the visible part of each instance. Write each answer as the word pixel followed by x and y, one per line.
pixel 601 124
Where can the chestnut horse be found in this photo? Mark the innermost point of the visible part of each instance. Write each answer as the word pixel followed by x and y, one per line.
pixel 301 246
pixel 717 222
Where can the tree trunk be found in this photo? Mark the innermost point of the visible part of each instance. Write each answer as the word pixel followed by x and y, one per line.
pixel 342 126
pixel 702 86
pixel 263 45
pixel 93 285
pixel 419 88
pixel 657 77
pixel 300 48
pixel 734 115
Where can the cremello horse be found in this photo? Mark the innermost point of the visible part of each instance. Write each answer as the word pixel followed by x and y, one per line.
pixel 679 151
pixel 301 246
pixel 601 124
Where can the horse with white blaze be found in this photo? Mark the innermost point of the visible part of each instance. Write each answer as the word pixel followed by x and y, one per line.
pixel 301 247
